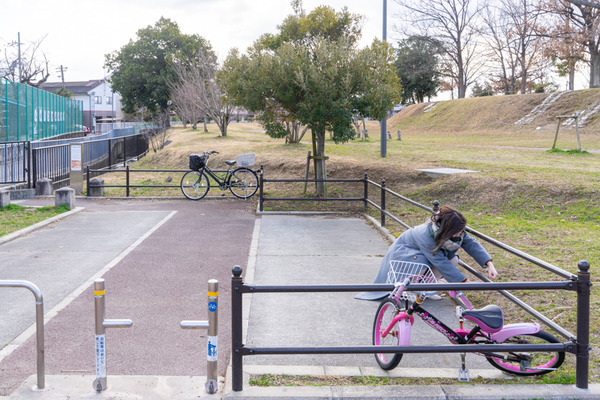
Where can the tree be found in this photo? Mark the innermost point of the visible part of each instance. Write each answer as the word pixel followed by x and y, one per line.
pixel 580 21
pixel 140 70
pixel 416 64
pixel 320 81
pixel 454 24
pixel 27 64
pixel 482 90
pixel 197 91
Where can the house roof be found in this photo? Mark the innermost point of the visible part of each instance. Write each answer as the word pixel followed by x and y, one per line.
pixel 82 87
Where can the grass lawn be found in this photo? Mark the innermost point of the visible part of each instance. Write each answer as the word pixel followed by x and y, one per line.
pixel 14 217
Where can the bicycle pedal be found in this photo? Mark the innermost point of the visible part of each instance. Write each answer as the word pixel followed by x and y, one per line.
pixel 463 375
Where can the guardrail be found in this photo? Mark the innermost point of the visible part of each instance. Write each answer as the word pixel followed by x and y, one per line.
pixel 39 324
pixel 129 172
pixel 383 193
pixel 578 345
pixel 14 162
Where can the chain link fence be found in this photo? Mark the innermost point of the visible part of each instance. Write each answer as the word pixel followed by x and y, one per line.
pixel 28 113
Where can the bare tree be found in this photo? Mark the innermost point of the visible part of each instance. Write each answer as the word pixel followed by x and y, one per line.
pixel 496 34
pixel 454 23
pixel 513 37
pixel 204 92
pixel 26 64
pixel 579 24
pixel 186 106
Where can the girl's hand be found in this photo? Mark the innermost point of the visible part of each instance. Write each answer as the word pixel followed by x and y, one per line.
pixel 492 273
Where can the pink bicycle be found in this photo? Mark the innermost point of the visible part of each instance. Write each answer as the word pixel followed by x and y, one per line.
pixel 395 317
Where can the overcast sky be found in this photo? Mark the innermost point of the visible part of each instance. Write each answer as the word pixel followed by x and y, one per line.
pixel 80 32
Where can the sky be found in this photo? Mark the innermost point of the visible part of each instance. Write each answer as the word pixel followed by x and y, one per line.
pixel 78 33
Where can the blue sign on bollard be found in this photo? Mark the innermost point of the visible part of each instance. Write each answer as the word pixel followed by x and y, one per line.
pixel 212 306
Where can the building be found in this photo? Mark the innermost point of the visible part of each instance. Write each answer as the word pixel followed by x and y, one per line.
pixel 100 103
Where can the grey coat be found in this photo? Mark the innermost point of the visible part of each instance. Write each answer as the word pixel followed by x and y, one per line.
pixel 416 245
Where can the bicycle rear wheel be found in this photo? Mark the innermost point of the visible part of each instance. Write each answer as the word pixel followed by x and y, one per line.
pixel 194 185
pixel 529 363
pixel 243 183
pixel 398 335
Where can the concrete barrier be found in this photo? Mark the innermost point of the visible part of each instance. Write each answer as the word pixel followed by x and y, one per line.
pixel 66 196
pixel 96 187
pixel 43 187
pixel 4 198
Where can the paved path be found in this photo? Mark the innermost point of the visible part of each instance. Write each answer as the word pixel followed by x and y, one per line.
pixel 156 258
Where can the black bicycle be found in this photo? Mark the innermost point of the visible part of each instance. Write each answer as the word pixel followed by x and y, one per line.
pixel 241 181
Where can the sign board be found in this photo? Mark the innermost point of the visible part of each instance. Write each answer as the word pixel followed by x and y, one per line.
pixel 76 175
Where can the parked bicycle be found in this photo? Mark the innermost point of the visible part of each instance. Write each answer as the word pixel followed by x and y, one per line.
pixel 241 181
pixel 394 320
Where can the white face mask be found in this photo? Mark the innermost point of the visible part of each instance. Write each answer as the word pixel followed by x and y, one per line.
pixel 452 244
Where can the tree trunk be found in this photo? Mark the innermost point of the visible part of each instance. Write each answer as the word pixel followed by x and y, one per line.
pixel 319 159
pixel 594 67
pixel 572 79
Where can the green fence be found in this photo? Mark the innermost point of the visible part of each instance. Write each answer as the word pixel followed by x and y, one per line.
pixel 28 113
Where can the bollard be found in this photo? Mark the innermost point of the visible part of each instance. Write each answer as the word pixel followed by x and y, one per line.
pixel 212 384
pixel 101 325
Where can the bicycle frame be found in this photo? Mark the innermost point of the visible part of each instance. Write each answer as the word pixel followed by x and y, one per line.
pixel 222 182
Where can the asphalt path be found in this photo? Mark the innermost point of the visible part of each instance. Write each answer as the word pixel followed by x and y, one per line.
pixel 156 258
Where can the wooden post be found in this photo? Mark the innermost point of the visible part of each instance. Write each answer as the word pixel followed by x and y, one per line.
pixel 306 173
pixel 577 130
pixel 556 134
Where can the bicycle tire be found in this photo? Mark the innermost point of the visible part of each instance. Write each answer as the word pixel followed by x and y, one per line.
pixel 399 335
pixel 243 183
pixel 194 185
pixel 534 363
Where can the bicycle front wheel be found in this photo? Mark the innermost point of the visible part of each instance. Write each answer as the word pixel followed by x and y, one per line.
pixel 399 334
pixel 529 363
pixel 194 185
pixel 243 183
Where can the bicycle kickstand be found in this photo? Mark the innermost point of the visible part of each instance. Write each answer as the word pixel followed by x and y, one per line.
pixel 463 372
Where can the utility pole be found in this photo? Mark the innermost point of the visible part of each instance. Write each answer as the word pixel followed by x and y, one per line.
pixel 20 63
pixel 62 75
pixel 383 122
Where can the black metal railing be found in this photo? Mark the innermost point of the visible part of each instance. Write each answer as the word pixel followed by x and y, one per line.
pixel 32 161
pixel 14 162
pixel 579 282
pixel 128 172
pixel 578 345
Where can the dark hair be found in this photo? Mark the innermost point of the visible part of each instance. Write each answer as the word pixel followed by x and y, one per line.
pixel 450 222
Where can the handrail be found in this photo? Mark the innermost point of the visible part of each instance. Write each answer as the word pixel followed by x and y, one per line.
pixel 39 322
pixel 578 345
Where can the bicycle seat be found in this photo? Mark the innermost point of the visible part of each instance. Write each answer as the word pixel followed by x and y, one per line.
pixel 489 318
pixel 231 162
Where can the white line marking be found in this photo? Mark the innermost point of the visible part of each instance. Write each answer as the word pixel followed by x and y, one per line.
pixel 19 340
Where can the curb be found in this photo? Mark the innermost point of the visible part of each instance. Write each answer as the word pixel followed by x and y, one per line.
pixel 41 224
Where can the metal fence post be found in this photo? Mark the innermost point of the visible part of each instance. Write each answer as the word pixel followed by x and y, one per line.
pixel 127 181
pixel 366 190
pixel 101 325
pixel 436 206
pixel 237 383
pixel 87 181
pixel 261 198
pixel 583 325
pixel 383 202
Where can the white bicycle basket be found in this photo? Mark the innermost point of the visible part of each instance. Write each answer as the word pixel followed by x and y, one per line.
pixel 245 160
pixel 416 272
